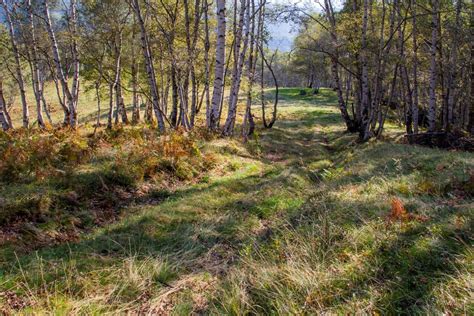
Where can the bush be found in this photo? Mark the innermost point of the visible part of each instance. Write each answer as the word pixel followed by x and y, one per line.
pixel 184 171
pixel 41 154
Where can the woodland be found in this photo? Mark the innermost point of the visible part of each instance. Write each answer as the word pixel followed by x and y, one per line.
pixel 167 157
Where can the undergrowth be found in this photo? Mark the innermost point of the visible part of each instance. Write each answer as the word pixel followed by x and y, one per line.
pixel 59 181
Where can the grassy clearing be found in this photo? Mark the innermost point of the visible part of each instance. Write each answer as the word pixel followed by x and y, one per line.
pixel 296 221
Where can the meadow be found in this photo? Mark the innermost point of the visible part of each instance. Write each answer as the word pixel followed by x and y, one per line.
pixel 300 219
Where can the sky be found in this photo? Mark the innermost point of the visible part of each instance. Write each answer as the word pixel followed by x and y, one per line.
pixel 283 33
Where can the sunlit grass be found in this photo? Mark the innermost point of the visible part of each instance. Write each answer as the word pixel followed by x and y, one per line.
pixel 295 221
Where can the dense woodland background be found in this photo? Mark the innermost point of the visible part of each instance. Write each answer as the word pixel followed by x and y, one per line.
pixel 161 157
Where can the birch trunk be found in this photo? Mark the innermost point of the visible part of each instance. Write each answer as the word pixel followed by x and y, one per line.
pixel 207 47
pixel 174 97
pixel 414 109
pixel 470 108
pixel 4 117
pixel 404 73
pixel 248 125
pixel 364 131
pixel 378 93
pixel 75 62
pixel 97 95
pixel 111 105
pixel 35 71
pixel 350 124
pixel 71 103
pixel 452 91
pixel 244 21
pixel 19 73
pixel 219 65
pixel 433 70
pixel 134 73
pixel 149 67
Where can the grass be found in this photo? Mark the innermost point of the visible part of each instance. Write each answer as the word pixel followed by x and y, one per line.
pixel 295 221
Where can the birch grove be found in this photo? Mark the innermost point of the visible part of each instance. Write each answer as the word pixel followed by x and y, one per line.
pixel 385 59
pixel 407 61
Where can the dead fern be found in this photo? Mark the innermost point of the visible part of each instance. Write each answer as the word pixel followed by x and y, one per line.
pixel 399 213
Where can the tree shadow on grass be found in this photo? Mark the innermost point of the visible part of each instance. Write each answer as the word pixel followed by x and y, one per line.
pixel 406 270
pixel 181 230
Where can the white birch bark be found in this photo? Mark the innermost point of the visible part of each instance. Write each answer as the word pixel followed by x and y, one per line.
pixel 207 46
pixel 4 117
pixel 149 67
pixel 219 64
pixel 244 21
pixel 35 71
pixel 19 73
pixel 70 99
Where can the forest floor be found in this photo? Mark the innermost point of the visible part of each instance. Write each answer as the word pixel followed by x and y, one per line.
pixel 301 219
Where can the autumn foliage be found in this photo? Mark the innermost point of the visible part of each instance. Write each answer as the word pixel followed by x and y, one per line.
pixel 399 213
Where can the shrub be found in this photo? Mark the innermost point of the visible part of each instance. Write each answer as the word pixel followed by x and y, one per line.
pixel 184 171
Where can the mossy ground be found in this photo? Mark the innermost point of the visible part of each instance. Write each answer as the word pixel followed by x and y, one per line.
pixel 295 221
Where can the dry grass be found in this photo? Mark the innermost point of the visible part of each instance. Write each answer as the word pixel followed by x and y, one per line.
pixel 296 221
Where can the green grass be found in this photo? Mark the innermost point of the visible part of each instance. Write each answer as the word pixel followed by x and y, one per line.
pixel 295 221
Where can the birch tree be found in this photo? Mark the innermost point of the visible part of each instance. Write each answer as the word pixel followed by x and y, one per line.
pixel 433 70
pixel 150 68
pixel 239 55
pixel 18 66
pixel 71 93
pixel 218 89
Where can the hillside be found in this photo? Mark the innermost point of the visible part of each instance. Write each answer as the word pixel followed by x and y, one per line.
pixel 301 219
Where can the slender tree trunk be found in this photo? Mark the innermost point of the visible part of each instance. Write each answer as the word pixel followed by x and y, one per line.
pixel 174 97
pixel 97 95
pixel 207 47
pixel 119 102
pixel 277 89
pixel 364 131
pixel 44 103
pixel 244 21
pixel 414 109
pixel 19 73
pixel 378 93
pixel 191 40
pixel 134 73
pixel 404 73
pixel 433 70
pixel 470 126
pixel 4 117
pixel 111 105
pixel 248 125
pixel 149 67
pixel 452 91
pixel 71 102
pixel 75 62
pixel 350 124
pixel 219 64
pixel 35 71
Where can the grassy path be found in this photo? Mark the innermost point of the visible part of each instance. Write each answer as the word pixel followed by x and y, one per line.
pixel 297 224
